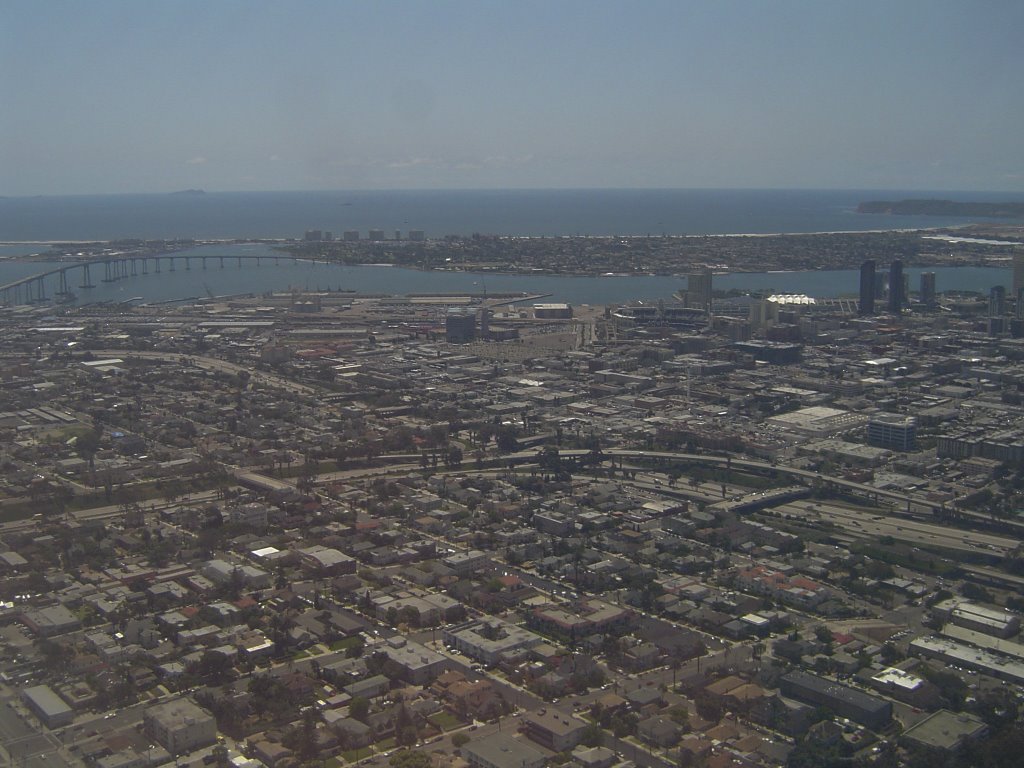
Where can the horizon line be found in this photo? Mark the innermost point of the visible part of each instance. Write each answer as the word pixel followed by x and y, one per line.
pixel 199 192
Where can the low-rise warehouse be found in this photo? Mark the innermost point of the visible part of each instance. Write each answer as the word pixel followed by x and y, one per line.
pixel 48 706
pixel 842 700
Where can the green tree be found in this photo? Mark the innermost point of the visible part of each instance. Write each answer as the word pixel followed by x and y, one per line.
pixel 680 715
pixel 810 753
pixel 302 739
pixel 623 725
pixel 593 735
pixel 55 656
pixel 356 649
pixel 951 687
pixel 974 592
pixel 453 458
pixel 506 439
pixel 359 708
pixel 214 667
pixel 708 708
pixel 408 758
pixel 405 729
pixel 221 756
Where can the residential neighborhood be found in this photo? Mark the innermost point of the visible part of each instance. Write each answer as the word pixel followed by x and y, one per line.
pixel 327 529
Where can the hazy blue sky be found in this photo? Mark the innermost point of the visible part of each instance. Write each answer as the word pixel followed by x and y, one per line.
pixel 106 96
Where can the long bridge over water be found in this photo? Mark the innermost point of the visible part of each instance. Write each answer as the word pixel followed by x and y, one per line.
pixel 32 289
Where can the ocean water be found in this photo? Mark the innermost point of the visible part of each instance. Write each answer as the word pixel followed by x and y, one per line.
pixel 459 212
pixel 506 212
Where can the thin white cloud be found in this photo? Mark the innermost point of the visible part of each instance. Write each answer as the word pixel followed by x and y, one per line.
pixel 416 162
pixel 197 160
pixel 504 161
pixel 459 164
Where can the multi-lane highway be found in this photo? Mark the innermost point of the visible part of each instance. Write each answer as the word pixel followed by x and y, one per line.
pixel 861 524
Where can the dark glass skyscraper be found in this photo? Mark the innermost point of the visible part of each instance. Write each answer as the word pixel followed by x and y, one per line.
pixel 997 301
pixel 928 289
pixel 867 289
pixel 698 290
pixel 897 299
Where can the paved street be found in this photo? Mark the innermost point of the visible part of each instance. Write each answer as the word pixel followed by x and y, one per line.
pixel 23 741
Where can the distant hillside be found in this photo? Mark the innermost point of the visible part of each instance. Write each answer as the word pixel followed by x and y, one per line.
pixel 943 208
pixel 189 192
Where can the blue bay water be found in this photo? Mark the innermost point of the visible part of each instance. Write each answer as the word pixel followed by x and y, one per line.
pixel 276 273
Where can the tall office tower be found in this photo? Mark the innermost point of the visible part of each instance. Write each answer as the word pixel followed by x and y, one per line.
pixel 1018 273
pixel 928 289
pixel 459 325
pixel 1017 324
pixel 896 287
pixel 996 310
pixel 485 323
pixel 758 315
pixel 698 289
pixel 867 289
pixel 997 301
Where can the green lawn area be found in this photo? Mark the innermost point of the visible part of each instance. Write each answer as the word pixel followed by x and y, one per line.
pixel 345 643
pixel 385 744
pixel 446 721
pixel 352 755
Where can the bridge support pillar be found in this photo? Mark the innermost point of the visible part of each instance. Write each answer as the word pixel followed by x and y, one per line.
pixel 106 272
pixel 134 268
pixel 157 269
pixel 86 277
pixel 188 264
pixel 172 263
pixel 62 289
